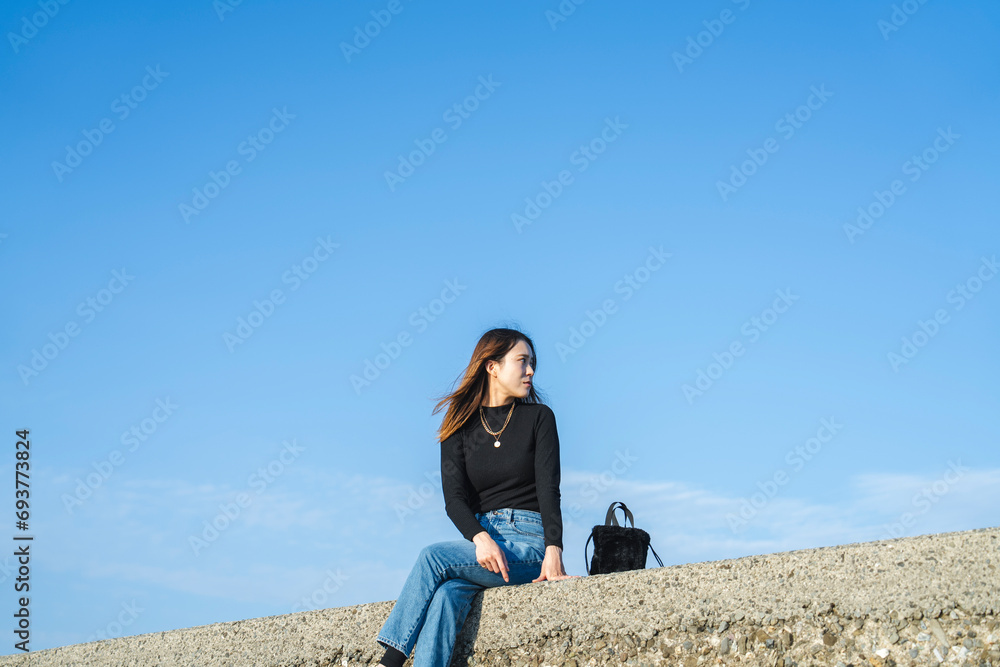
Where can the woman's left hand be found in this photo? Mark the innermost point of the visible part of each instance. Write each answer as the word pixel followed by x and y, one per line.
pixel 552 566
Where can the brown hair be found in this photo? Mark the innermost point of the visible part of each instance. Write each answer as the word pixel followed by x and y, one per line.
pixel 475 384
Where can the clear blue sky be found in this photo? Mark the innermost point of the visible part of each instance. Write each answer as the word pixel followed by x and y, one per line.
pixel 170 169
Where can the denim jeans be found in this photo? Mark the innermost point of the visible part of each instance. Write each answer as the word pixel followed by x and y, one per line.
pixel 438 593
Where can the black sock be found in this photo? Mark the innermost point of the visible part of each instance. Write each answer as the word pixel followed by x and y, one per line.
pixel 393 658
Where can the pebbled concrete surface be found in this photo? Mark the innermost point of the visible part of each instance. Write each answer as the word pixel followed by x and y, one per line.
pixel 928 600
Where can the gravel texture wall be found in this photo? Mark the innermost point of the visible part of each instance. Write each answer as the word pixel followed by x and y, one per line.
pixel 928 600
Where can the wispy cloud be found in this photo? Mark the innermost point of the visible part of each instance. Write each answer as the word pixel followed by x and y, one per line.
pixel 285 544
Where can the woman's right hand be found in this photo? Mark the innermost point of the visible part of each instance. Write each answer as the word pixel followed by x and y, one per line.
pixel 490 555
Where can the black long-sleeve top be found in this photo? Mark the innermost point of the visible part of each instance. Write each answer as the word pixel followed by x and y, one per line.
pixel 523 473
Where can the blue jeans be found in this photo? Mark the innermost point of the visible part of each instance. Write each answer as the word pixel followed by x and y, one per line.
pixel 438 593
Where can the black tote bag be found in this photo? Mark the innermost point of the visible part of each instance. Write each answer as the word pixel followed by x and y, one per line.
pixel 618 548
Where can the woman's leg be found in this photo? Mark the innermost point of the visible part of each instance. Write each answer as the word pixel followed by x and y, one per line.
pixel 400 630
pixel 445 619
pixel 444 561
pixel 519 534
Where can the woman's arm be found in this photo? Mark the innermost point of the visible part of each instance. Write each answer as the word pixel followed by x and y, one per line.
pixel 547 477
pixel 454 485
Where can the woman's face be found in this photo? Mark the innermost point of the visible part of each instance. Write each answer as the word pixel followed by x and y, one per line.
pixel 514 375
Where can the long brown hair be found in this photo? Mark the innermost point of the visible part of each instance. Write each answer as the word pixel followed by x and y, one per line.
pixel 474 387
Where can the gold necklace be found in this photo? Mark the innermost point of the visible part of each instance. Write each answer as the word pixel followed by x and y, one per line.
pixel 496 435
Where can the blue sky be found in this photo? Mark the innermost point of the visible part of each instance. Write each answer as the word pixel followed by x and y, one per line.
pixel 753 243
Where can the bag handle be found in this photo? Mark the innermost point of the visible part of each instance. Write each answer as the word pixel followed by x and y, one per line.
pixel 654 553
pixel 612 520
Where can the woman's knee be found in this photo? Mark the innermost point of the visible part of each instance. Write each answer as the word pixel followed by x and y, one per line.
pixel 432 553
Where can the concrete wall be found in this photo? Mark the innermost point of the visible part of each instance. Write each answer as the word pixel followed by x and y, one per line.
pixel 912 601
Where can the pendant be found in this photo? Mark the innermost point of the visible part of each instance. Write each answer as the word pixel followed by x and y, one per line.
pixel 496 443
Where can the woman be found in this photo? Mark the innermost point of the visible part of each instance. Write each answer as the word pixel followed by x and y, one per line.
pixel 500 477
